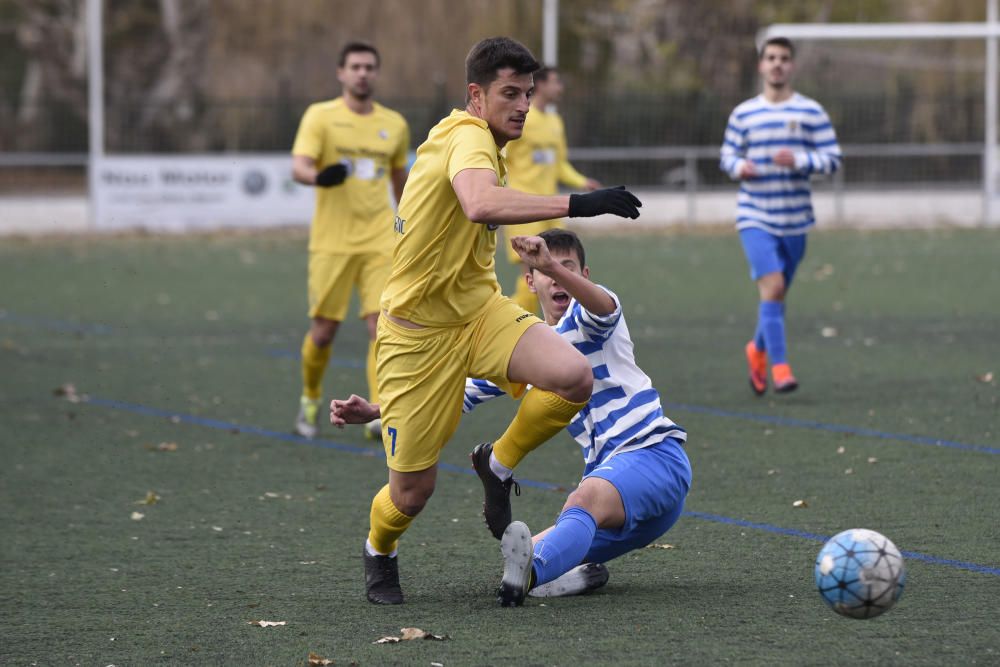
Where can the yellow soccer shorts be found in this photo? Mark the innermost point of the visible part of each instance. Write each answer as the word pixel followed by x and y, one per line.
pixel 529 229
pixel 332 278
pixel 421 377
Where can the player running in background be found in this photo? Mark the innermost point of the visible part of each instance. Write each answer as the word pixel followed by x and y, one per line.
pixel 636 473
pixel 773 143
pixel 538 163
pixel 444 318
pixel 350 148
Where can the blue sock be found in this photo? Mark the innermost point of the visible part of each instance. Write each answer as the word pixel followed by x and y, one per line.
pixel 565 545
pixel 771 326
pixel 758 336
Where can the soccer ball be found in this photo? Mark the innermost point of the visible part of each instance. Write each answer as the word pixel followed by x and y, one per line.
pixel 860 573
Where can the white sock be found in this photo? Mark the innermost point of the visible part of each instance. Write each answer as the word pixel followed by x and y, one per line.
pixel 499 469
pixel 370 550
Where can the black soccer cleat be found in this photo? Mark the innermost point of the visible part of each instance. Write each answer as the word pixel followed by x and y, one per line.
pixel 496 502
pixel 518 573
pixel 382 579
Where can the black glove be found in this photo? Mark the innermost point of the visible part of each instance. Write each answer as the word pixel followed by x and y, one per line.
pixel 332 175
pixel 617 200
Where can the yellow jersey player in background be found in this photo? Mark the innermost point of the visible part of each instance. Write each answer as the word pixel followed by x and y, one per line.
pixel 538 163
pixel 349 148
pixel 444 318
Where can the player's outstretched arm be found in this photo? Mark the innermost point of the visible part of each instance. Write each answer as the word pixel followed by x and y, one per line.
pixel 535 254
pixel 355 410
pixel 484 201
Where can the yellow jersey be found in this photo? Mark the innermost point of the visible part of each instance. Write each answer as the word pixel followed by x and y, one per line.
pixel 443 269
pixel 538 161
pixel 356 216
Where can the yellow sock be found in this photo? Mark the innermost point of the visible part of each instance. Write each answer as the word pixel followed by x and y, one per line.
pixel 314 360
pixel 524 297
pixel 370 374
pixel 540 416
pixel 387 523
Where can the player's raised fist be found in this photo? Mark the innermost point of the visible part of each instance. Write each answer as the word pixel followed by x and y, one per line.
pixel 532 251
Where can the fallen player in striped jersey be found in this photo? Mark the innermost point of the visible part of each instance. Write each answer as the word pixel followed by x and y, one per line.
pixel 636 473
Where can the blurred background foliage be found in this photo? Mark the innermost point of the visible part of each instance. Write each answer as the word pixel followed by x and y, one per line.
pixel 232 75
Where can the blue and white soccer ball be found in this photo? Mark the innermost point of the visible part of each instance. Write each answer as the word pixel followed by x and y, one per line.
pixel 860 573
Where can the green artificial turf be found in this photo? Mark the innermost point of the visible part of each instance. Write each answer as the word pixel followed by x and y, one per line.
pixel 184 350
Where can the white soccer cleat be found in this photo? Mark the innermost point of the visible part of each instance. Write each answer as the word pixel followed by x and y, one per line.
pixel 307 421
pixel 373 429
pixel 516 547
pixel 581 579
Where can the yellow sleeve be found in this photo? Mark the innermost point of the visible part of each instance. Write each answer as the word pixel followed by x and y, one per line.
pixel 399 158
pixel 309 138
pixel 567 174
pixel 470 147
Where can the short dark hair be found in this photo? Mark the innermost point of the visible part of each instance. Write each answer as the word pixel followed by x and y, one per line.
pixel 543 73
pixel 777 41
pixel 496 53
pixel 358 47
pixel 565 240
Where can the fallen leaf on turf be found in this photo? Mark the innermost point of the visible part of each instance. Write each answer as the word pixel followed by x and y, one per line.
pixel 266 624
pixel 823 272
pixel 800 503
pixel 138 516
pixel 849 471
pixel 660 546
pixel 841 449
pixel 150 499
pixel 828 332
pixel 163 447
pixel 408 634
pixel 68 391
pixel 318 661
pixel 773 471
pixel 872 459
pixel 985 378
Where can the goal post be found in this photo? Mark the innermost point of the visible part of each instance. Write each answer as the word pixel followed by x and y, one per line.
pixel 988 31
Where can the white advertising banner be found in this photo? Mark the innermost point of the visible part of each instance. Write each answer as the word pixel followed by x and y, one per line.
pixel 178 193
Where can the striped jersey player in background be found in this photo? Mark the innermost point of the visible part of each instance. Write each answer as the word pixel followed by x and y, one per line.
pixel 636 473
pixel 773 143
pixel 538 163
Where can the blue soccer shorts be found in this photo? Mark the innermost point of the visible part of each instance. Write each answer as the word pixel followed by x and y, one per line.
pixel 767 253
pixel 652 482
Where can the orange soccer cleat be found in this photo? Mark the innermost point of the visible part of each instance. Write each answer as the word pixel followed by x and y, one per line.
pixel 757 365
pixel 784 381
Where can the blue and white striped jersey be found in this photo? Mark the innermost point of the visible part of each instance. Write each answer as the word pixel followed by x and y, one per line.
pixel 778 200
pixel 624 411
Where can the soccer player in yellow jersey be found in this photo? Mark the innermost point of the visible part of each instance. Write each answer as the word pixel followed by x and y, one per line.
pixel 444 318
pixel 350 148
pixel 538 163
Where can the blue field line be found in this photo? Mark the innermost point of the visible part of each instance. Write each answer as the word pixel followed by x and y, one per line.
pixel 279 353
pixel 230 426
pixel 835 428
pixel 373 452
pixel 767 419
pixel 913 555
pixel 53 324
